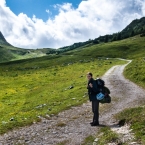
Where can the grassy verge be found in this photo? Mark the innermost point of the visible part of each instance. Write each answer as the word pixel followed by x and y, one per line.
pixel 105 135
pixel 89 140
pixel 135 117
pixel 29 90
pixel 136 71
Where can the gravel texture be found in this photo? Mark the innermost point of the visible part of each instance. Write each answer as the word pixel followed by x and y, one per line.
pixel 72 126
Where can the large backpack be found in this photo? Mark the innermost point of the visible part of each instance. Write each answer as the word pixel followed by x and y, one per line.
pixel 100 85
pixel 104 90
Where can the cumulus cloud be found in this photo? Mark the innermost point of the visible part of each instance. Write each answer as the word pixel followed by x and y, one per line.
pixel 91 19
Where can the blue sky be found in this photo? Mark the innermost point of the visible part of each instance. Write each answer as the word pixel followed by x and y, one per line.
pixel 38 7
pixel 69 22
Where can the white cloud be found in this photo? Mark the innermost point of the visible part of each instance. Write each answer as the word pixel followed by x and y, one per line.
pixel 2 3
pixel 91 19
pixel 48 11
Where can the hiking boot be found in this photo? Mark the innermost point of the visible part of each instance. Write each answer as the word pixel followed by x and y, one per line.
pixel 95 124
pixel 91 123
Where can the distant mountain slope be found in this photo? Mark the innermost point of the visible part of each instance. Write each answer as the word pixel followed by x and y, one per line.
pixel 3 41
pixel 134 28
pixel 9 52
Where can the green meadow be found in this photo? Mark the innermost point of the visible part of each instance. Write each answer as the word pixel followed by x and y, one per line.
pixel 47 85
pixel 136 71
pixel 30 90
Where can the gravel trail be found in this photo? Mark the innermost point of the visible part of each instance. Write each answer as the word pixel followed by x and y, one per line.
pixel 72 126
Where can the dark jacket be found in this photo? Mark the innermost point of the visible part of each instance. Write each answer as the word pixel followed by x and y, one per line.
pixel 92 91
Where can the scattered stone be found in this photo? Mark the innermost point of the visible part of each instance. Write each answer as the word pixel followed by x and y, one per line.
pixel 51 115
pixel 133 143
pixel 27 140
pixel 4 122
pixel 41 106
pixel 71 87
pixel 96 140
pixel 48 116
pixel 73 98
pixel 12 119
pixel 49 109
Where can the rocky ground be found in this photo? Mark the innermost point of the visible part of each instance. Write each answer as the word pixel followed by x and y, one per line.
pixel 72 126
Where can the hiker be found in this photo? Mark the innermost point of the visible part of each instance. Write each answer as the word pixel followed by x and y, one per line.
pixel 92 91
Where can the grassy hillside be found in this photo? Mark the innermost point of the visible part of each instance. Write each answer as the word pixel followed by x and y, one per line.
pixel 3 40
pixel 9 53
pixel 136 71
pixel 130 48
pixel 30 89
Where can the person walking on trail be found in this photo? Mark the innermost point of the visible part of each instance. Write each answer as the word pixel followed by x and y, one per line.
pixel 92 91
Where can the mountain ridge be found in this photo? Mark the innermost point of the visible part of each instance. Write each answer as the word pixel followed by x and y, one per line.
pixel 9 52
pixel 136 27
pixel 3 41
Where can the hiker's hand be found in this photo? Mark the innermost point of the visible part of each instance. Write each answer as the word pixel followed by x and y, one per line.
pixel 91 86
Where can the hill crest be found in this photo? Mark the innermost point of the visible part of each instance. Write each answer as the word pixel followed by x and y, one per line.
pixel 3 41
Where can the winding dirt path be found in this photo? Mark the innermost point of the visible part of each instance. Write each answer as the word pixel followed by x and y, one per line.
pixel 73 125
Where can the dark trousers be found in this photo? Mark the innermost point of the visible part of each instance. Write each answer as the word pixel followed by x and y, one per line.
pixel 95 110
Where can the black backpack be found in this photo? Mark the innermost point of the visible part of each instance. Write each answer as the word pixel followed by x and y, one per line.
pixel 102 89
pixel 100 85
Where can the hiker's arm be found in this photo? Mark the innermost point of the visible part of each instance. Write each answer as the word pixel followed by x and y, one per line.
pixel 94 87
pixel 87 86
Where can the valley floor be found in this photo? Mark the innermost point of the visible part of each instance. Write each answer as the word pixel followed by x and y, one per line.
pixel 72 126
